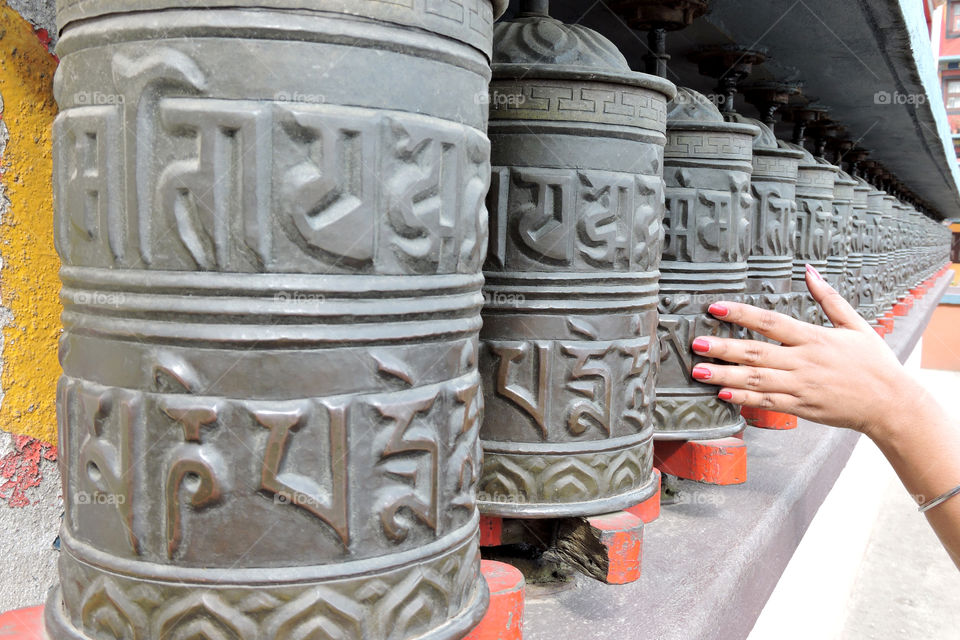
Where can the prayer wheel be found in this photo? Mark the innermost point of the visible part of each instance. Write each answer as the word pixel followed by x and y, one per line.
pixel 841 232
pixel 888 248
pixel 271 221
pixel 707 167
pixel 815 188
pixel 568 347
pixel 871 291
pixel 773 222
pixel 853 272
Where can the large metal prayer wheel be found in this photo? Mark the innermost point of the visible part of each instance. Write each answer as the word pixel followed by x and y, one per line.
pixel 568 348
pixel 707 166
pixel 271 221
pixel 915 251
pixel 917 245
pixel 902 252
pixel 853 272
pixel 815 187
pixel 773 222
pixel 841 232
pixel 888 247
pixel 871 290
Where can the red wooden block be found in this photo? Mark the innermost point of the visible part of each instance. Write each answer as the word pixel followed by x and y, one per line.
pixel 607 547
pixel 887 323
pixel 621 533
pixel 504 617
pixel 491 531
pixel 722 461
pixel 880 329
pixel 649 509
pixel 23 624
pixel 766 419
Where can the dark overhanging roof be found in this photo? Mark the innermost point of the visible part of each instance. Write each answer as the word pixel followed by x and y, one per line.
pixel 844 52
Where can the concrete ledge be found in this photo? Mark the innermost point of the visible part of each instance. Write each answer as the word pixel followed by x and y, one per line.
pixel 712 560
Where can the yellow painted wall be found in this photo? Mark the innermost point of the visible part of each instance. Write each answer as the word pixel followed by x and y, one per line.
pixel 29 284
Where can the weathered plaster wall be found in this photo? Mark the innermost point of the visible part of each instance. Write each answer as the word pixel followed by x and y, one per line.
pixel 41 14
pixel 30 500
pixel 30 509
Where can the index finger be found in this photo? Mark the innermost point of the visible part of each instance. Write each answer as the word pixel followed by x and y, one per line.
pixel 776 326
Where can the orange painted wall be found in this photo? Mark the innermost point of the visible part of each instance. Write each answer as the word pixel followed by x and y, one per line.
pixel 941 340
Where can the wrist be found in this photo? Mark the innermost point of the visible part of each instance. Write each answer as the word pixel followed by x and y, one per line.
pixel 905 403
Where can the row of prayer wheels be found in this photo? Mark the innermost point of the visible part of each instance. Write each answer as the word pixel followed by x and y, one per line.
pixel 274 238
pixel 620 209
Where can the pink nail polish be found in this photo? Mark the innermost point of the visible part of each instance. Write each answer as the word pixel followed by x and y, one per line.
pixel 814 273
pixel 725 395
pixel 701 373
pixel 718 310
pixel 700 345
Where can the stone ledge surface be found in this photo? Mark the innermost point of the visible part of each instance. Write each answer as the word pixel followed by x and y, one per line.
pixel 710 564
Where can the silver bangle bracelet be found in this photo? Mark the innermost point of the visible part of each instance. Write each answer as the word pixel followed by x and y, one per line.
pixel 930 504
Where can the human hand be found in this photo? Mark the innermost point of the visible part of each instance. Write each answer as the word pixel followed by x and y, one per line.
pixel 845 376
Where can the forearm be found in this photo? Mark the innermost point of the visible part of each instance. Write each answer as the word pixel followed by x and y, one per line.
pixel 922 443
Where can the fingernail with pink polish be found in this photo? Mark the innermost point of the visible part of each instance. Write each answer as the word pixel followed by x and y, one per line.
pixel 816 274
pixel 700 345
pixel 725 395
pixel 701 373
pixel 718 310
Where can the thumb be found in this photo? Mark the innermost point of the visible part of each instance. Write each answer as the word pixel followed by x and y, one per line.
pixel 838 310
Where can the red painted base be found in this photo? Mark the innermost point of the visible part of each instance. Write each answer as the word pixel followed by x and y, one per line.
pixel 887 324
pixel 649 509
pixel 504 617
pixel 23 624
pixel 722 461
pixel 621 534
pixel 491 531
pixel 901 309
pixel 766 419
pixel 880 329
